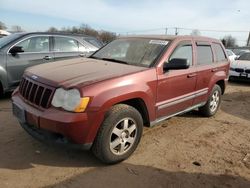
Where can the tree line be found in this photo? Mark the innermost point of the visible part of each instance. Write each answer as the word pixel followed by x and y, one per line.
pixel 107 36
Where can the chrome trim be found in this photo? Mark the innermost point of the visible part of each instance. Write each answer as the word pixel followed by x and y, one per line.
pixel 172 102
pixel 153 123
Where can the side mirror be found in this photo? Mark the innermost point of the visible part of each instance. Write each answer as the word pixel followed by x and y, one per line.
pixel 176 64
pixel 16 49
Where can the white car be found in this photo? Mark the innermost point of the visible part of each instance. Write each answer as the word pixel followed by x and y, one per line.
pixel 232 57
pixel 241 67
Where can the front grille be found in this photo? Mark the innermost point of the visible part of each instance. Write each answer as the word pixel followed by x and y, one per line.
pixel 247 71
pixel 36 93
pixel 239 70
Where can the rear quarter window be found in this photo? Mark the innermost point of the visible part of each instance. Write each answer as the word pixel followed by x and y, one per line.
pixel 219 52
pixel 204 54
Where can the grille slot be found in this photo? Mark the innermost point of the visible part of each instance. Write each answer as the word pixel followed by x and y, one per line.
pixel 247 71
pixel 239 70
pixel 36 93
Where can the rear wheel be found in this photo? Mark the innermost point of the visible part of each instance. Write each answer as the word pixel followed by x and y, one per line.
pixel 213 103
pixel 119 134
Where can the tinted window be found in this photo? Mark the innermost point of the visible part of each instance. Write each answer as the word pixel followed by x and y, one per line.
pixel 184 52
pixel 219 53
pixel 245 56
pixel 35 44
pixel 64 44
pixel 204 54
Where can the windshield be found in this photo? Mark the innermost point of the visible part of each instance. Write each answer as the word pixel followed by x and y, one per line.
pixel 7 39
pixel 245 56
pixel 132 51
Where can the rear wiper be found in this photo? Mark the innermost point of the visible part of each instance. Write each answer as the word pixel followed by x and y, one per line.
pixel 114 60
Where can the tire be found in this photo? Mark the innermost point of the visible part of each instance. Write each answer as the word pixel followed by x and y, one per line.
pixel 114 142
pixel 213 102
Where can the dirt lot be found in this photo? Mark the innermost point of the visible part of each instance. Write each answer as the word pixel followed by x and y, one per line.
pixel 185 151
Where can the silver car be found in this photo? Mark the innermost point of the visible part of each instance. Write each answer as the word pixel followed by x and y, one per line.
pixel 21 50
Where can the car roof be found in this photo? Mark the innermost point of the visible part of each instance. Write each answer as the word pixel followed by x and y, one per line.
pixel 54 33
pixel 172 37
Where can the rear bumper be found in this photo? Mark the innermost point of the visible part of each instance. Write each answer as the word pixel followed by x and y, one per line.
pixel 57 126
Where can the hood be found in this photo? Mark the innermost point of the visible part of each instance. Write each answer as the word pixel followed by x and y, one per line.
pixel 240 64
pixel 80 71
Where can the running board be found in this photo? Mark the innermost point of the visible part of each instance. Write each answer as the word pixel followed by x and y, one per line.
pixel 154 123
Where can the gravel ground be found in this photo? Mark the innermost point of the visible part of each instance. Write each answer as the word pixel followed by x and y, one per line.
pixel 184 151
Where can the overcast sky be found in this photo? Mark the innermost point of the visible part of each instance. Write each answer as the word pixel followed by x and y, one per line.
pixel 132 16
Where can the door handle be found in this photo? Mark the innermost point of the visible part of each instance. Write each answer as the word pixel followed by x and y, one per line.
pixel 47 57
pixel 191 75
pixel 214 70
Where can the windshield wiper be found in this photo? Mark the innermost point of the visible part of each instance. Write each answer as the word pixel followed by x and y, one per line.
pixel 114 60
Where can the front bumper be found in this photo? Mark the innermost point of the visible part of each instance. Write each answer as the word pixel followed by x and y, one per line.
pixel 238 76
pixel 57 126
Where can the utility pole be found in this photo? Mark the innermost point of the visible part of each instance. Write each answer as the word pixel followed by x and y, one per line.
pixel 248 40
pixel 176 31
pixel 166 31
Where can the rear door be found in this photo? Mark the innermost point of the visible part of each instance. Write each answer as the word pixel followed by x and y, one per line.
pixel 36 50
pixel 176 88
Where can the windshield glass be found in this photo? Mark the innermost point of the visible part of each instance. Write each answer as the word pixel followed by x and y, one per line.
pixel 245 56
pixel 132 51
pixel 7 39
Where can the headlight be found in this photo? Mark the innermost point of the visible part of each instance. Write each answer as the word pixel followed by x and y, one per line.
pixel 70 100
pixel 231 69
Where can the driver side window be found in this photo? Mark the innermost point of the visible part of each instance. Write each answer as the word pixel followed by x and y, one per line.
pixel 183 51
pixel 35 44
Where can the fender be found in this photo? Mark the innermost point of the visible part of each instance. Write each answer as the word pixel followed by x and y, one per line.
pixel 218 76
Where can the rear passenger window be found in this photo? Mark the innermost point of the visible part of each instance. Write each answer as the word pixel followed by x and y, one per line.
pixel 64 44
pixel 204 55
pixel 219 53
pixel 183 51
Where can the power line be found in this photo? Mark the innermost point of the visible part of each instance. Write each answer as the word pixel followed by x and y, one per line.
pixel 183 28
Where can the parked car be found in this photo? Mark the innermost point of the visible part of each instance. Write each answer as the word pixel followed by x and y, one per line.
pixel 240 69
pixel 102 102
pixel 3 33
pixel 21 50
pixel 239 52
pixel 232 57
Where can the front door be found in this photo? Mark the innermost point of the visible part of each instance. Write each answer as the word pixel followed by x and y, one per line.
pixel 36 50
pixel 176 88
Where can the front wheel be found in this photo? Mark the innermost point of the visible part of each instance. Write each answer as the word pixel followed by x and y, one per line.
pixel 119 134
pixel 213 103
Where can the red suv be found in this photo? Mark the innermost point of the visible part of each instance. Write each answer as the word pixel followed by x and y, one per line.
pixel 102 102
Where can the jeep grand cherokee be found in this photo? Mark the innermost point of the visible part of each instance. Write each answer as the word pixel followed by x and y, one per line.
pixel 102 102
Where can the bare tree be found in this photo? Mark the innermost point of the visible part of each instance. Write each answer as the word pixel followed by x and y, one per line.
pixel 52 30
pixel 2 26
pixel 229 41
pixel 107 36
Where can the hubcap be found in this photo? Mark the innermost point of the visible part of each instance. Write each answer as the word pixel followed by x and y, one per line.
pixel 123 136
pixel 214 102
